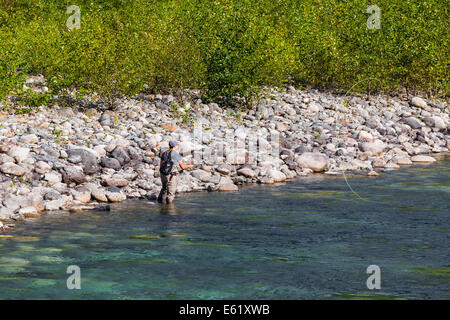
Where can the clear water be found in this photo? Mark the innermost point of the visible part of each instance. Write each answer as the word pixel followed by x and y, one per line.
pixel 312 238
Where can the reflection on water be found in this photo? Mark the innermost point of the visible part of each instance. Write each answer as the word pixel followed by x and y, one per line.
pixel 308 239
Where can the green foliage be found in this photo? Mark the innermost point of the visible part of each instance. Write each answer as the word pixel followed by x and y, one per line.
pixel 226 48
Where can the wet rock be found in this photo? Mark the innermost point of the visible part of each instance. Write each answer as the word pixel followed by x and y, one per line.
pixel 423 158
pixel 228 187
pixel 5 213
pixel 28 212
pixel 402 160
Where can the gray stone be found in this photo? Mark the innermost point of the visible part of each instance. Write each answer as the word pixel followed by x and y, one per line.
pixel 121 155
pixel 110 163
pixel 12 169
pixel 73 174
pixel 86 158
pixel 413 122
pixel 52 195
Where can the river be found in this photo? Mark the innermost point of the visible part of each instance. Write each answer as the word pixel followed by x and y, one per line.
pixel 312 238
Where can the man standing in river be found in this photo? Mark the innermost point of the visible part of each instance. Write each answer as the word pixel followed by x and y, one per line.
pixel 170 166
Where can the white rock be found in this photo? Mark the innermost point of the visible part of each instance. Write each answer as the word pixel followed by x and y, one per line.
pixel 19 153
pixel 373 148
pixel 115 196
pixel 29 139
pixel 365 136
pixel 312 160
pixel 419 103
pixel 422 158
pixel 53 177
pixel 276 175
pixel 228 187
pixel 246 172
pixel 13 169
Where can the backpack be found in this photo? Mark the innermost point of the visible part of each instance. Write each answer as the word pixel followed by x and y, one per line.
pixel 166 163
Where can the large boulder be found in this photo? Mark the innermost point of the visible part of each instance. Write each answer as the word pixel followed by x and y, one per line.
pixel 114 196
pixel 228 187
pixel 373 148
pixel 86 158
pixel 313 160
pixel 276 176
pixel 121 155
pixel 12 169
pixel 19 153
pixel 201 175
pixel 115 181
pixel 110 163
pixel 246 172
pixel 423 159
pixel 413 122
pixel 73 174
pixel 419 103
pixel 435 122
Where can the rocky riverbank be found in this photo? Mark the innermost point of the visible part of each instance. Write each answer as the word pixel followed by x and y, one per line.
pixel 85 158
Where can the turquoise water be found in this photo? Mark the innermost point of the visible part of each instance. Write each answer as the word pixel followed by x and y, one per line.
pixel 312 238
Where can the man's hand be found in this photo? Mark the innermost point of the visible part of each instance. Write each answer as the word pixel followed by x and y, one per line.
pixel 185 166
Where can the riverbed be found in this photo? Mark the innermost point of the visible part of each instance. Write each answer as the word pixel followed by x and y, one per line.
pixel 311 238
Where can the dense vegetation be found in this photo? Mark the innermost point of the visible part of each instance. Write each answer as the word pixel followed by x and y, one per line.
pixel 224 48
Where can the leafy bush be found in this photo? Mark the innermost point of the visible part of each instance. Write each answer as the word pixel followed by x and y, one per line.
pixel 225 48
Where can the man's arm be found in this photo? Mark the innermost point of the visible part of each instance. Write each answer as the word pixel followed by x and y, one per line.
pixel 185 166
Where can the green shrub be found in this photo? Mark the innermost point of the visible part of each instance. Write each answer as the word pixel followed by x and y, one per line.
pixel 227 48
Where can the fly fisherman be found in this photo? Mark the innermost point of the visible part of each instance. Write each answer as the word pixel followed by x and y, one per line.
pixel 170 167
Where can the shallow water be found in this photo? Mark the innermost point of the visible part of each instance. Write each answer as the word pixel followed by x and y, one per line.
pixel 312 238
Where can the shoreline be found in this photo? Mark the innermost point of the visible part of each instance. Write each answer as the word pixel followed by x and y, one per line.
pixel 74 159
